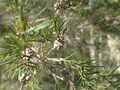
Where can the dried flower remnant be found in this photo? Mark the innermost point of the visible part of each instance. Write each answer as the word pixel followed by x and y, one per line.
pixel 57 7
pixel 27 54
pixel 61 4
pixel 59 42
pixel 30 54
pixel 27 78
pixel 23 78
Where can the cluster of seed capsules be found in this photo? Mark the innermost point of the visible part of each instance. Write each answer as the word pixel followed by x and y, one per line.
pixel 29 54
pixel 61 4
pixel 59 42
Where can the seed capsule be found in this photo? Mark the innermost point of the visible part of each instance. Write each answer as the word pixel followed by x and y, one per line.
pixel 27 78
pixel 22 77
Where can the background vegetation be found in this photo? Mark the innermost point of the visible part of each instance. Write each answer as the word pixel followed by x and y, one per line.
pixel 59 45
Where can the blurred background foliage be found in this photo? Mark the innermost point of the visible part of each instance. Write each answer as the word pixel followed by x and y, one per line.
pixel 90 58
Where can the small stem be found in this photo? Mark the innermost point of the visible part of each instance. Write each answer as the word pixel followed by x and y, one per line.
pixel 49 52
pixel 72 87
pixel 21 86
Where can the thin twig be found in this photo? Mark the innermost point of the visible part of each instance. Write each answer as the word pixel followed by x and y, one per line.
pixel 49 52
pixel 21 85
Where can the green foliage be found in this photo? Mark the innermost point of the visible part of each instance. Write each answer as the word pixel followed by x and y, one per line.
pixel 31 50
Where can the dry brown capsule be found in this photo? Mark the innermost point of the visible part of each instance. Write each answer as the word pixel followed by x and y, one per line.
pixel 58 43
pixel 22 77
pixel 27 78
